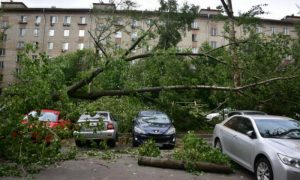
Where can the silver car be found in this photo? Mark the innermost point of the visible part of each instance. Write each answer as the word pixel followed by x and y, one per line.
pixel 100 126
pixel 267 145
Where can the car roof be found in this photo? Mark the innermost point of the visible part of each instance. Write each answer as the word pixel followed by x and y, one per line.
pixel 265 117
pixel 248 111
pixel 149 113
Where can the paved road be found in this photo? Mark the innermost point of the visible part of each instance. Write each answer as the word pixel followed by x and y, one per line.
pixel 123 168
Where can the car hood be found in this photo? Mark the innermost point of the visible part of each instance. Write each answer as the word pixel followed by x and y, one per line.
pixel 286 146
pixel 154 128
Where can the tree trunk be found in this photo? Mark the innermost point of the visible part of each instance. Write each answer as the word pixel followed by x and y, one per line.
pixel 174 164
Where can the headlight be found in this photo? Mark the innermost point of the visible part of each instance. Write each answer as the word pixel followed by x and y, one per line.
pixel 139 130
pixel 171 131
pixel 289 161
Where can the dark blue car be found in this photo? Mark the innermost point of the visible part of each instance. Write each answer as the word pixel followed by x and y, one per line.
pixel 154 125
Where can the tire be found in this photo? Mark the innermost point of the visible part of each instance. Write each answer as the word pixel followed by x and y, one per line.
pixel 263 169
pixel 111 143
pixel 218 145
pixel 79 143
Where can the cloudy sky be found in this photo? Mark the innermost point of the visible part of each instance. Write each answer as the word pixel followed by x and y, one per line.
pixel 276 9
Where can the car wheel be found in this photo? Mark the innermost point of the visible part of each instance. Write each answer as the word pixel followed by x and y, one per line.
pixel 111 143
pixel 263 170
pixel 79 143
pixel 218 145
pixel 134 142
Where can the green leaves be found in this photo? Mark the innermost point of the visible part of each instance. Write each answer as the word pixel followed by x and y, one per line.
pixel 149 149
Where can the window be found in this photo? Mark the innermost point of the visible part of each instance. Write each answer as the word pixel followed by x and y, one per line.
pixel 134 23
pixel 82 20
pixel 35 45
pixel 1 79
pixel 232 123
pixel 18 70
pixel 213 44
pixel 81 33
pixel 37 20
pixel 1 64
pixel 134 36
pixel 213 31
pixel 118 34
pixel 4 25
pixel 34 56
pixel 194 38
pixel 119 21
pixel 273 30
pixel 36 32
pixel 244 125
pixel 23 19
pixel 66 32
pixel 149 22
pixel 51 32
pixel 67 20
pixel 80 46
pixel 194 50
pixel 20 45
pixel 286 31
pixel 194 25
pixel 50 45
pixel 2 52
pixel 22 32
pixel 3 37
pixel 18 58
pixel 65 46
pixel 53 20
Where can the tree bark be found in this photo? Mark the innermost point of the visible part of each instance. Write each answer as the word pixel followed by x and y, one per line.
pixel 126 92
pixel 174 164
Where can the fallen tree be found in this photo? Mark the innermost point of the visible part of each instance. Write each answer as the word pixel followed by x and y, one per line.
pixel 176 164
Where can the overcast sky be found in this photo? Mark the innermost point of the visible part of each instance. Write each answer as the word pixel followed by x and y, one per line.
pixel 277 8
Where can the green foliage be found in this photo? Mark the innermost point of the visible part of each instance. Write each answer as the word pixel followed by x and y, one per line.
pixel 196 149
pixel 149 149
pixel 9 170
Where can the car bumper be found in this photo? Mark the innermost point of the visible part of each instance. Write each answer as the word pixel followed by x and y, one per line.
pixel 109 134
pixel 160 140
pixel 282 171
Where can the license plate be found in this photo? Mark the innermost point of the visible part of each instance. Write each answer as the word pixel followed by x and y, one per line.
pixel 93 124
pixel 158 145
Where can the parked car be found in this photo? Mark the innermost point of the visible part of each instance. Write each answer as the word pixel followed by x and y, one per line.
pixel 245 112
pixel 220 115
pixel 154 125
pixel 264 144
pixel 100 126
pixel 48 118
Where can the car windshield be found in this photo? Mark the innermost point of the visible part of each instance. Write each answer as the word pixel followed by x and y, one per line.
pixel 157 119
pixel 48 116
pixel 274 128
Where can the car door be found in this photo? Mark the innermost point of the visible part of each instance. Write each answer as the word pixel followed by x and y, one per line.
pixel 244 144
pixel 228 137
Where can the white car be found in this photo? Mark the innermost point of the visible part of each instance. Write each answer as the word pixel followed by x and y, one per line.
pixel 101 126
pixel 267 145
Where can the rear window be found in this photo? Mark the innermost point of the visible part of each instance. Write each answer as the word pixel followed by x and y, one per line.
pixel 97 116
pixel 44 116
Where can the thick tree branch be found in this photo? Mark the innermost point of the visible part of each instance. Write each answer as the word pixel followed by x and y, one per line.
pixel 125 92
pixel 97 43
pixel 72 89
pixel 176 54
pixel 134 45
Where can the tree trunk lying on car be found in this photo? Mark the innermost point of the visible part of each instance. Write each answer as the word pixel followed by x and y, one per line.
pixel 174 164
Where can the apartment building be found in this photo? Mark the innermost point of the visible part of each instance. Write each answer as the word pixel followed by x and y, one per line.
pixel 57 31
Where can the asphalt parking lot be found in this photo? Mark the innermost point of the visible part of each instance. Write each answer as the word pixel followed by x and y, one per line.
pixel 123 166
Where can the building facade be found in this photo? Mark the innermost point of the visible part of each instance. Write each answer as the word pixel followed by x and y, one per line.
pixel 57 31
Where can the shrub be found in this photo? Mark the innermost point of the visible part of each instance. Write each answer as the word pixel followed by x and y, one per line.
pixel 149 149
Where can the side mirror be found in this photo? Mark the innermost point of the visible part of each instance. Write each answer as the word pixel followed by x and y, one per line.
pixel 251 134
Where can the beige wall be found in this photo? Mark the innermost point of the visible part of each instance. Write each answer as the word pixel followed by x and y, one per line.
pixel 203 33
